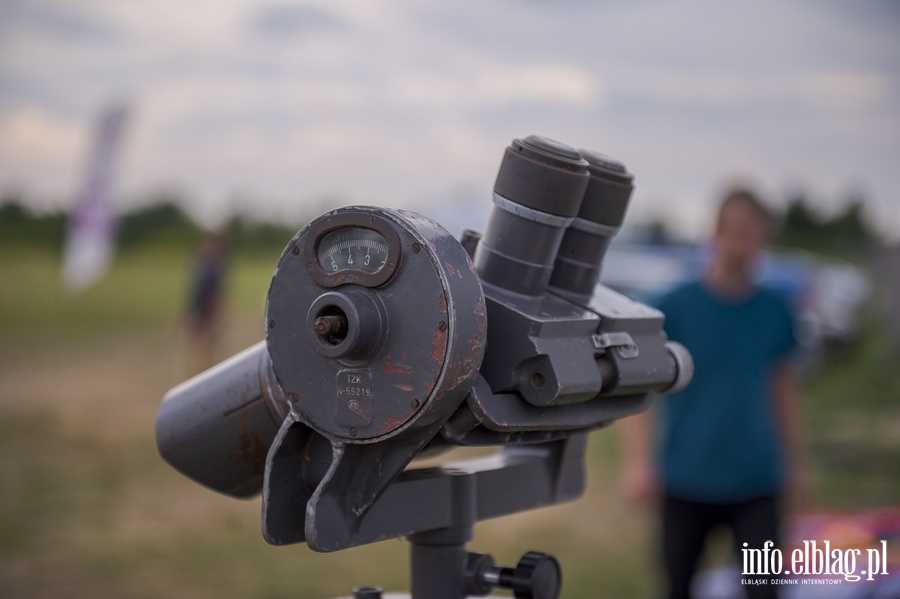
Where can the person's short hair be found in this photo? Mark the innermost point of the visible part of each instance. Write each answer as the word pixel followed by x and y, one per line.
pixel 745 196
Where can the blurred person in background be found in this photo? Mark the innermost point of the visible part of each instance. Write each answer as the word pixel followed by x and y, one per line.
pixel 729 447
pixel 206 301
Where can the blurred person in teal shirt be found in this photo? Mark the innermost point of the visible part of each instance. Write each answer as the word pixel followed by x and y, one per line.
pixel 728 450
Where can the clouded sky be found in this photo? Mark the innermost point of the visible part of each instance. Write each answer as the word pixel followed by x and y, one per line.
pixel 283 106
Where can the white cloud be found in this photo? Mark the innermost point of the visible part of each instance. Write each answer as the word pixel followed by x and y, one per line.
pixel 488 85
pixel 820 89
pixel 39 152
pixel 406 101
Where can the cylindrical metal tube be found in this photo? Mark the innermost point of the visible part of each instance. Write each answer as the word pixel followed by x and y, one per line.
pixel 684 364
pixel 538 191
pixel 580 257
pixel 673 374
pixel 216 428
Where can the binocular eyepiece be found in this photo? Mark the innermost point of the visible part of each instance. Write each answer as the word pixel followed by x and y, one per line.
pixel 555 211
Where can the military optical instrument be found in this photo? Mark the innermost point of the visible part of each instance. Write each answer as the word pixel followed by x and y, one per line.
pixel 386 338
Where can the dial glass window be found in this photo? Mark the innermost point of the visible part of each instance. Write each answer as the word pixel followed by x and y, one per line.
pixel 352 248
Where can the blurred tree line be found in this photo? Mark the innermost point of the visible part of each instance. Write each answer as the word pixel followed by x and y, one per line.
pixel 162 222
pixel 845 235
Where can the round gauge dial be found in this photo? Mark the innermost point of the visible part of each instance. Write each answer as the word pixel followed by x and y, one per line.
pixel 352 248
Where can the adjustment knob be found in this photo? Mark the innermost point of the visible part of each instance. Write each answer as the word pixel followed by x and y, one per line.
pixel 536 576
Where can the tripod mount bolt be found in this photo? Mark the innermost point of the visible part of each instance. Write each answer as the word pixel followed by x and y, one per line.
pixel 536 576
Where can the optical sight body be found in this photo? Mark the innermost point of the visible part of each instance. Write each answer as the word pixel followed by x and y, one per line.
pixel 385 337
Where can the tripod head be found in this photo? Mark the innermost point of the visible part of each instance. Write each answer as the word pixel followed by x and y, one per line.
pixel 387 338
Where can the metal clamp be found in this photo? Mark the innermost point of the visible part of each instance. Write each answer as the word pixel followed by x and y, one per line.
pixel 620 341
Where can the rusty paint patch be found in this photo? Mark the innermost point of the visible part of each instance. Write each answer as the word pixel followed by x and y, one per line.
pixel 251 450
pixel 442 304
pixel 463 364
pixel 393 423
pixel 391 368
pixel 453 271
pixel 407 388
pixel 476 343
pixel 439 344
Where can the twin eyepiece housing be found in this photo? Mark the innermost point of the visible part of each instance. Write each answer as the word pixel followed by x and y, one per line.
pixel 555 212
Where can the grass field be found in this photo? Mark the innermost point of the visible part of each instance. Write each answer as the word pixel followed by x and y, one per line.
pixel 88 509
